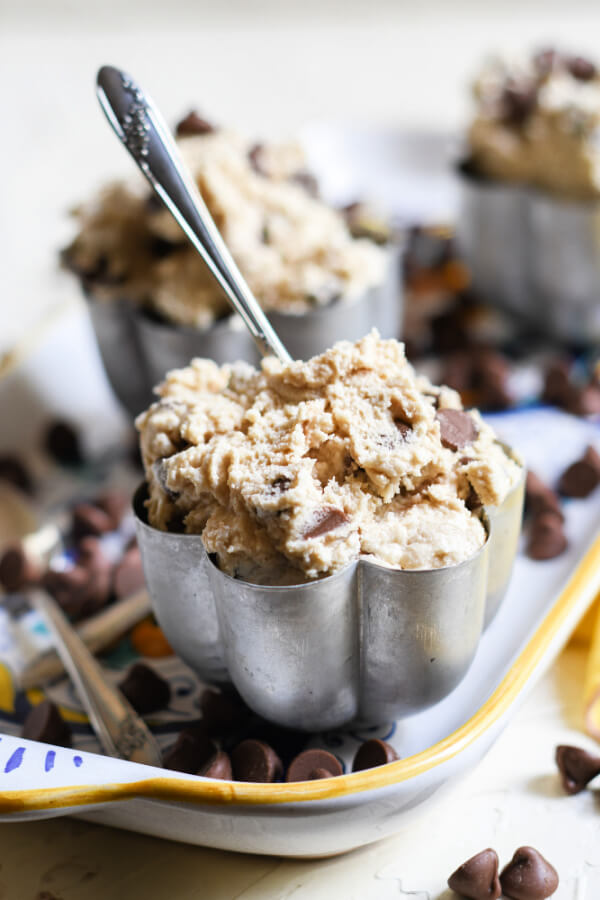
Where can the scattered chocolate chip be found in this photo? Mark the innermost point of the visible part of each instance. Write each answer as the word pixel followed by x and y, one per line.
pixel 222 711
pixel 324 521
pixel 82 590
pixel 254 760
pixel 577 767
pixel 457 428
pixel 254 155
pixel 580 68
pixel 62 442
pixel 145 689
pixel 217 767
pixel 557 383
pixel 312 764
pixel 14 472
pixel 115 504
pixel 88 519
pixel 17 570
pixel 373 753
pixel 193 124
pixel 517 103
pixel 582 477
pixel 540 498
pixel 477 878
pixel 128 576
pixel 192 750
pixel 584 401
pixel 44 723
pixel 528 876
pixel 547 538
pixel 286 742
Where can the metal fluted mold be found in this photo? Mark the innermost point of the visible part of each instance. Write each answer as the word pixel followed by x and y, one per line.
pixel 535 255
pixel 367 644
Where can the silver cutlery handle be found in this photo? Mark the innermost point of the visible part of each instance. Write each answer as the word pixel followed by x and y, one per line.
pixel 140 127
pixel 121 732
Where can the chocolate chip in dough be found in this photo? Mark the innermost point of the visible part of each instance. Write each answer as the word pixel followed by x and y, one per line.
pixel 528 876
pixel 457 428
pixel 517 103
pixel 255 761
pixel 314 764
pixel 373 753
pixel 191 752
pixel 477 878
pixel 254 155
pixel 129 574
pixel 581 69
pixel 217 767
pixel 44 723
pixel 582 477
pixel 193 124
pixel 62 443
pixel 14 472
pixel 17 570
pixel 577 767
pixel 145 689
pixel 546 60
pixel 547 538
pixel 325 520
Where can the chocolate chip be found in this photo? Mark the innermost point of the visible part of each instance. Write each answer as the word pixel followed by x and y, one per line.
pixel 539 497
pixel 325 520
pixel 222 712
pixel 286 742
pixel 473 500
pixel 547 538
pixel 404 428
pixel 280 484
pixel 557 384
pixel 312 764
pixel 528 876
pixel 44 723
pixel 84 589
pixel 580 68
pixel 14 472
pixel 128 576
pixel 115 504
pixel 62 443
pixel 577 767
pixel 193 124
pixel 145 689
pixel 217 767
pixel 17 570
pixel 255 761
pixel 89 520
pixel 477 878
pixel 584 401
pixel 307 181
pixel 457 428
pixel 517 103
pixel 254 154
pixel 582 477
pixel 546 60
pixel 190 752
pixel 373 753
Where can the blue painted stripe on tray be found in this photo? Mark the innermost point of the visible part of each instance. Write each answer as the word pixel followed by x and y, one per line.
pixel 77 761
pixel 15 760
pixel 49 762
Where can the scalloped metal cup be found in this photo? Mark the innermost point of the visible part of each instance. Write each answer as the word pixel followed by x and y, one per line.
pixel 536 255
pixel 137 349
pixel 366 644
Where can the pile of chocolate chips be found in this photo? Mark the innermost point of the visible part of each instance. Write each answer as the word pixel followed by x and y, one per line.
pixel 92 581
pixel 230 742
pixel 528 876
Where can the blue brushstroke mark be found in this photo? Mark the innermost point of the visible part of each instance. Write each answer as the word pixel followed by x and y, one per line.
pixel 50 757
pixel 15 760
pixel 77 761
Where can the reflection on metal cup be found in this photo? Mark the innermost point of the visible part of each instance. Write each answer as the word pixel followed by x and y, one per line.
pixel 505 528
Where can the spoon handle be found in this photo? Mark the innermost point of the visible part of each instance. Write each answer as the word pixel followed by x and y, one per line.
pixel 140 127
pixel 121 732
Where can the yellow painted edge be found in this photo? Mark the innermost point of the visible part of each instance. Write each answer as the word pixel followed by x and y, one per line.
pixel 586 577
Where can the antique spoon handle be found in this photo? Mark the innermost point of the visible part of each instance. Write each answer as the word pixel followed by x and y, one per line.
pixel 140 127
pixel 121 732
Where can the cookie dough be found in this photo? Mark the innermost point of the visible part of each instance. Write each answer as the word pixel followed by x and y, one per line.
pixel 294 250
pixel 291 472
pixel 538 122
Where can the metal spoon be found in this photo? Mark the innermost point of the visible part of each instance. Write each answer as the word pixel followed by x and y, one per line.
pixel 140 127
pixel 121 732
